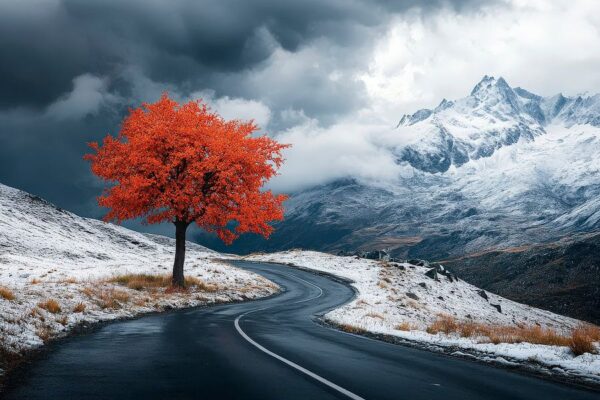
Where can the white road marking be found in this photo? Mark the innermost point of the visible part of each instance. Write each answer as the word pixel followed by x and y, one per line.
pixel 292 364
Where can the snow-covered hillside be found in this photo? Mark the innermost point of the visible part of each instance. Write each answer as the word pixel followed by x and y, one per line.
pixel 48 254
pixel 402 300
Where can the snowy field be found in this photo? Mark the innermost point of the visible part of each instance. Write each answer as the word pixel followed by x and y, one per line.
pixel 401 301
pixel 57 271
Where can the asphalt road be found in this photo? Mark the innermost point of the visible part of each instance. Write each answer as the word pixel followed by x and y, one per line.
pixel 265 349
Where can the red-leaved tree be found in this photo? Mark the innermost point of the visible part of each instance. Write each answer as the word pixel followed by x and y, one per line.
pixel 185 164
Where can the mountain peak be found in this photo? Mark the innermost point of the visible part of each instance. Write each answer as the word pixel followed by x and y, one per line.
pixel 489 82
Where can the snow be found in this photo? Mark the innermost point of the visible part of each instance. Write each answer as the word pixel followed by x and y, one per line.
pixel 390 294
pixel 493 116
pixel 48 253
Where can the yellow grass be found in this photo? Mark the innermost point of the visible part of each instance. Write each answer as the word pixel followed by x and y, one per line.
pixel 112 298
pixel 352 329
pixel 80 307
pixel 404 326
pixel 148 281
pixel 444 323
pixel 6 293
pixel 583 338
pixel 580 340
pixel 50 305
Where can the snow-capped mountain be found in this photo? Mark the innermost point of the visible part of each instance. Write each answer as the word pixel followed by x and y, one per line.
pixel 493 116
pixel 499 167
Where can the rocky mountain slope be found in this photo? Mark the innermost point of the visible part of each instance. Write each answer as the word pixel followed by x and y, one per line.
pixel 562 276
pixel 499 168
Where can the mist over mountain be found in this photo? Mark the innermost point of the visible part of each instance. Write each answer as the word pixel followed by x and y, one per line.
pixel 497 168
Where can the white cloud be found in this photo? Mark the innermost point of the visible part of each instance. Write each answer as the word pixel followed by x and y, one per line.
pixel 237 108
pixel 88 95
pixel 543 46
pixel 320 155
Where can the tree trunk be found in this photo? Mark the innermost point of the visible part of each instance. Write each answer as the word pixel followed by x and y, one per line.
pixel 180 229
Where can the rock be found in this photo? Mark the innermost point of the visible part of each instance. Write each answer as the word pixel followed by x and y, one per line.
pixel 376 255
pixel 419 263
pixel 441 298
pixel 483 294
pixel 412 295
pixel 497 307
pixel 432 273
pixel 444 271
pixel 423 285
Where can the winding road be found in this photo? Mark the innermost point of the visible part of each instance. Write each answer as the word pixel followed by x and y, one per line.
pixel 264 349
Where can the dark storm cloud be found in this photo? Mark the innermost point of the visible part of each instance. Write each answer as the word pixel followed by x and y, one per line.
pixel 45 44
pixel 69 69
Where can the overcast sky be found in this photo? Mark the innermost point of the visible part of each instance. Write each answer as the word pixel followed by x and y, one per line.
pixel 324 75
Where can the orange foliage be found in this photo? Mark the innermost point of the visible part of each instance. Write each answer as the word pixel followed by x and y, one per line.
pixel 184 163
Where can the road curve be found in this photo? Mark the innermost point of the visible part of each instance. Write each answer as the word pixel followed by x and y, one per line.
pixel 265 349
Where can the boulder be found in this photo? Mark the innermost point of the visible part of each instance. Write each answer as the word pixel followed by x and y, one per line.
pixel 441 270
pixel 497 307
pixel 412 295
pixel 483 294
pixel 432 273
pixel 376 255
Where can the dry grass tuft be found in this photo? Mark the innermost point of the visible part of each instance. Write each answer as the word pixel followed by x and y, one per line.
pixel 404 326
pixel 583 338
pixel 79 308
pixel 352 329
pixel 445 324
pixel 112 298
pixel 201 285
pixel 106 298
pixel 141 281
pixel 35 281
pixel 6 293
pixel 148 281
pixel 50 305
